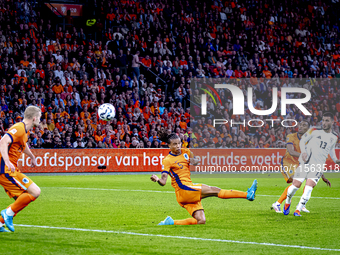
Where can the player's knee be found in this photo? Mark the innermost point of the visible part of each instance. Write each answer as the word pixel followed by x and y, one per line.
pixel 36 192
pixel 214 190
pixel 297 183
pixel 201 221
pixel 310 183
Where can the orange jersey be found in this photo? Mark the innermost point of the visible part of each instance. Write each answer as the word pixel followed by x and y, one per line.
pixel 18 135
pixel 288 159
pixel 177 166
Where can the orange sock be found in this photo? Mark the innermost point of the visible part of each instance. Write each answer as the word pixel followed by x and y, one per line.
pixel 225 194
pixel 2 220
pixel 189 221
pixel 284 195
pixel 22 201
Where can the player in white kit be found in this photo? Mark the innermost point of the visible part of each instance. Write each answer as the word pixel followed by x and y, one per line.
pixel 316 144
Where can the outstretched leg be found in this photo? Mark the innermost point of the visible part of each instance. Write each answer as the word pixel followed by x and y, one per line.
pixel 208 191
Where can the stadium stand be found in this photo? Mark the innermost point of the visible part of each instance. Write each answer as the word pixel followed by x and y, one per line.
pixel 143 59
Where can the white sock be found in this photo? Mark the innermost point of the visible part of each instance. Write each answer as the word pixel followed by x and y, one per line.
pixel 1 224
pixel 9 212
pixel 305 197
pixel 290 193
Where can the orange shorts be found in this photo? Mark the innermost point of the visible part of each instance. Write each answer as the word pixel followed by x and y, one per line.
pixel 190 198
pixel 15 183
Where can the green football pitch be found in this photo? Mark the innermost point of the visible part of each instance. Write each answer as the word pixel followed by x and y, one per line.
pixel 118 214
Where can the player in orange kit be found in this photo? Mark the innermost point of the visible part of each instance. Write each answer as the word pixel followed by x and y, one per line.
pixel 189 195
pixel 16 184
pixel 290 162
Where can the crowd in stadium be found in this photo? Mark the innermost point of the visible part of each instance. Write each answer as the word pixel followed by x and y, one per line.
pixel 147 56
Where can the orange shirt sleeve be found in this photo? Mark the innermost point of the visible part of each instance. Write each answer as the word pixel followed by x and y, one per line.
pixel 16 133
pixel 166 166
pixel 290 139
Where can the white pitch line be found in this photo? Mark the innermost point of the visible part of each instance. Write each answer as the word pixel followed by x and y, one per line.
pixel 179 237
pixel 160 191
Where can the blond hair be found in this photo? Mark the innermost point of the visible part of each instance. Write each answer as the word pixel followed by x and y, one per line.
pixel 31 112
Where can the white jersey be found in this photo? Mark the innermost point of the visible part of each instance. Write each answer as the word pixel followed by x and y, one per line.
pixel 318 145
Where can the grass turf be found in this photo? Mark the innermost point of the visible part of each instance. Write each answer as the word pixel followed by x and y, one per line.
pixel 125 209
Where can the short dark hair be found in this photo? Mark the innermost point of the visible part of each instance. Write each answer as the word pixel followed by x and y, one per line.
pixel 164 137
pixel 328 114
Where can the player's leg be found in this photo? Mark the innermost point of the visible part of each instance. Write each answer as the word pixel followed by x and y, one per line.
pixel 310 184
pixel 291 192
pixel 277 205
pixel 26 192
pixel 2 221
pixel 208 191
pixel 194 209
pixel 284 195
pixel 304 209
pixel 287 171
pixel 31 194
pixel 12 191
pixel 198 218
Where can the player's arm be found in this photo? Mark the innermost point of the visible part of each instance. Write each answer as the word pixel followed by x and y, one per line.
pixel 291 151
pixel 305 139
pixel 166 165
pixel 28 152
pixel 326 180
pixel 193 161
pixel 333 155
pixel 161 181
pixel 335 159
pixel 4 143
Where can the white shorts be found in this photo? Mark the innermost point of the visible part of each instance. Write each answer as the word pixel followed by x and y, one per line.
pixel 308 171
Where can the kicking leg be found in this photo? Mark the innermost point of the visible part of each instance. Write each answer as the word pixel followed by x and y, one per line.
pixel 208 191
